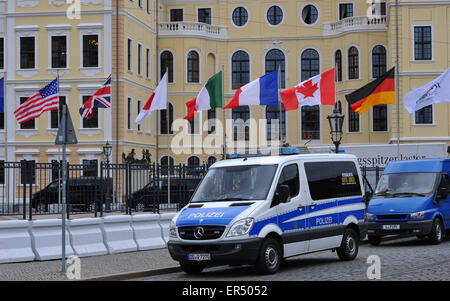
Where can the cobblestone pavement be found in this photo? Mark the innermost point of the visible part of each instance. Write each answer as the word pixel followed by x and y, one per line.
pixel 406 259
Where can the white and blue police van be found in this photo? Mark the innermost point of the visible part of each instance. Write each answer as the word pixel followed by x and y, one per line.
pixel 259 210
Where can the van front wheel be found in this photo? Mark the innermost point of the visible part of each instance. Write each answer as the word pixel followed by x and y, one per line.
pixel 349 245
pixel 269 259
pixel 435 236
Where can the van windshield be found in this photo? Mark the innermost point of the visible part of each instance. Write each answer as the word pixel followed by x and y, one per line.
pixel 399 184
pixel 235 183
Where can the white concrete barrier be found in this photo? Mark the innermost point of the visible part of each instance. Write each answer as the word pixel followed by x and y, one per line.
pixel 46 239
pixel 118 234
pixel 164 221
pixel 86 237
pixel 15 242
pixel 147 232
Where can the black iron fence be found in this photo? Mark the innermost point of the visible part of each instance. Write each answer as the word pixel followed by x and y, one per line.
pixel 28 188
pixel 372 174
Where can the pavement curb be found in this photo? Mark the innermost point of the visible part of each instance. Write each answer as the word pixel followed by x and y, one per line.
pixel 134 275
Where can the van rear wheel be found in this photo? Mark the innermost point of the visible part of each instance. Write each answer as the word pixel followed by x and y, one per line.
pixel 349 245
pixel 270 257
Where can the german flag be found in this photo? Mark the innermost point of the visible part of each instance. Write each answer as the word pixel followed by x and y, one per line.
pixel 379 91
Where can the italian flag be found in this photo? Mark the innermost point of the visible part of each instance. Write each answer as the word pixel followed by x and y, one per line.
pixel 210 96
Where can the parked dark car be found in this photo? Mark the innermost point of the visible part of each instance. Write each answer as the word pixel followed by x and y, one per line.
pixel 155 193
pixel 82 193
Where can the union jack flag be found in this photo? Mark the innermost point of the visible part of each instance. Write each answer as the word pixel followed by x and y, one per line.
pixel 100 99
pixel 46 99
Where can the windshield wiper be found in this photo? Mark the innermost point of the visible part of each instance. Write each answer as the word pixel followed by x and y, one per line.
pixel 408 193
pixel 384 193
pixel 229 200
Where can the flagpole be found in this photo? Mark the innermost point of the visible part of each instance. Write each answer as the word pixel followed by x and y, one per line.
pixel 168 141
pixel 279 109
pixel 223 114
pixel 397 96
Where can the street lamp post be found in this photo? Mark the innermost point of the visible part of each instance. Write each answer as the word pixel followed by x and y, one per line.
pixel 336 120
pixel 107 151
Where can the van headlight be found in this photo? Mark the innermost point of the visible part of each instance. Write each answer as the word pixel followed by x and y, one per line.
pixel 172 230
pixel 241 227
pixel 370 216
pixel 417 215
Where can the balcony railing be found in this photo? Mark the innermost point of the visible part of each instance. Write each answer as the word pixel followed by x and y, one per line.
pixel 361 23
pixel 192 29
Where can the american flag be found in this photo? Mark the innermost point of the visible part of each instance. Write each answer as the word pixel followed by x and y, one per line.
pixel 46 99
pixel 100 99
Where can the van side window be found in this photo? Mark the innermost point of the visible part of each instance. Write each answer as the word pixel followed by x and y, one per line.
pixel 328 180
pixel 444 181
pixel 289 176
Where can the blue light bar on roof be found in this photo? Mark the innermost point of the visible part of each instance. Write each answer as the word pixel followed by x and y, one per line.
pixel 290 151
pixel 283 151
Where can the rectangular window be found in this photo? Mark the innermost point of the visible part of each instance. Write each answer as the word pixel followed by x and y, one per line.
pixel 176 15
pixel 147 66
pixel 204 15
pixel 55 115
pixel 27 172
pixel 194 125
pixel 130 113
pixel 139 59
pixel 353 120
pixel 2 121
pixel 2 172
pixel 2 53
pixel 212 121
pixel 30 124
pixel 327 180
pixel 138 111
pixel 93 122
pixel 90 168
pixel 378 8
pixel 425 115
pixel 380 122
pixel 345 10
pixel 310 122
pixel 55 170
pixel 27 53
pixel 59 51
pixel 422 43
pixel 148 7
pixel 90 51
pixel 130 55
pixel 140 3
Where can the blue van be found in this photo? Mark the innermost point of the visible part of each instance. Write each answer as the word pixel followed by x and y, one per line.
pixel 411 198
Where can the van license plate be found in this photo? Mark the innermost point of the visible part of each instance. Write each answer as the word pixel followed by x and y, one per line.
pixel 390 227
pixel 199 257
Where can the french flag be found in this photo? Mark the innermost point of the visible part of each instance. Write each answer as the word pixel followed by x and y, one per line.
pixel 261 91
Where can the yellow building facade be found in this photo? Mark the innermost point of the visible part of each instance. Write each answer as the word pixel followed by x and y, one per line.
pixel 137 40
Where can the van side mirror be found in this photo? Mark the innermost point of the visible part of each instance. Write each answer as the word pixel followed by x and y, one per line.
pixel 282 195
pixel 442 193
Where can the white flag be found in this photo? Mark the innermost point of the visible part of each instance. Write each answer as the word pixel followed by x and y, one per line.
pixel 435 91
pixel 157 101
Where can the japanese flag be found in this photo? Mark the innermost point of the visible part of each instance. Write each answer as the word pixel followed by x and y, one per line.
pixel 317 90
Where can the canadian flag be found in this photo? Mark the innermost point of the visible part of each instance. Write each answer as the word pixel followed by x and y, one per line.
pixel 317 90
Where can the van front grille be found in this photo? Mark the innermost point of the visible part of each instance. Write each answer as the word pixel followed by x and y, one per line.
pixel 201 232
pixel 392 216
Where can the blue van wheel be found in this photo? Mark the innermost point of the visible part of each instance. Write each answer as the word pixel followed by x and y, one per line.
pixel 437 232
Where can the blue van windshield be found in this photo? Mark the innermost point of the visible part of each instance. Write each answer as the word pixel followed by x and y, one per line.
pixel 235 183
pixel 396 184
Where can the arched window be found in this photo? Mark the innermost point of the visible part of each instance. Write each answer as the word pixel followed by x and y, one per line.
pixel 193 73
pixel 338 65
pixel 240 116
pixel 193 161
pixel 353 63
pixel 275 60
pixel 310 63
pixel 167 63
pixel 211 160
pixel 164 166
pixel 240 66
pixel 272 114
pixel 163 120
pixel 310 114
pixel 378 61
